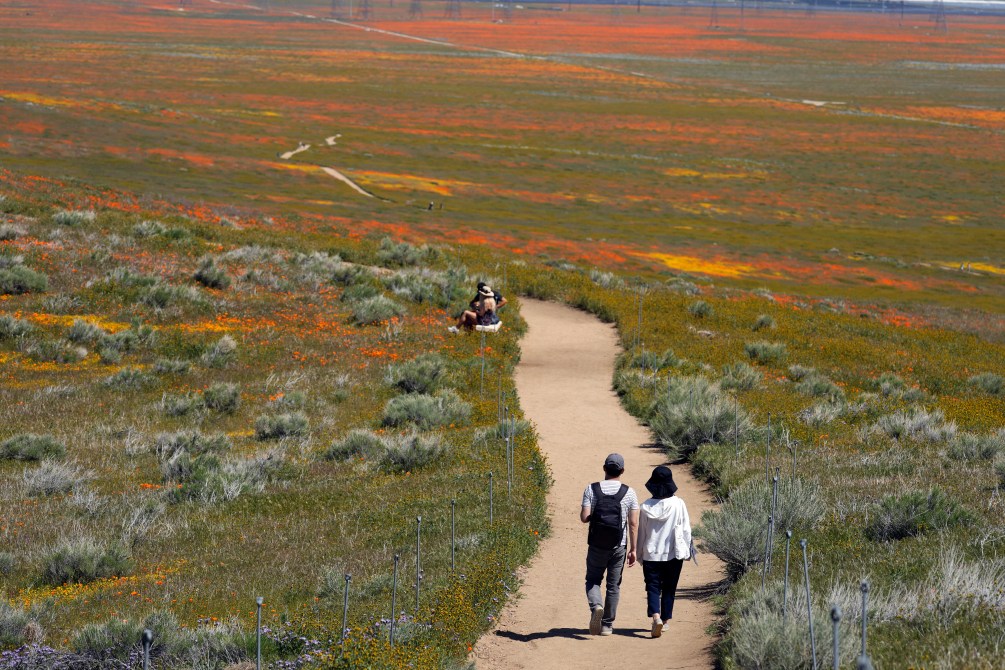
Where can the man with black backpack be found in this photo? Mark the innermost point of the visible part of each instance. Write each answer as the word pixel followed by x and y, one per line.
pixel 612 510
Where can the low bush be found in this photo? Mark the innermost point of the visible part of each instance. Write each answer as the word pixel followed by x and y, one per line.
pixel 693 412
pixel 970 447
pixel 426 286
pixel 740 376
pixel 51 478
pixel 13 621
pixel 278 426
pixel 7 563
pixel 12 328
pixel 222 397
pixel 916 423
pixel 915 513
pixel 149 228
pixel 408 453
pixel 221 354
pixel 1000 472
pixel 9 233
pixel 401 254
pixel 49 351
pixel 359 443
pixel 606 279
pixel 737 530
pixel 426 411
pixel 73 218
pixel 764 321
pixel 988 382
pixel 893 386
pixel 819 386
pixel 171 366
pixel 31 447
pixel 191 441
pixel 162 295
pixel 422 374
pixel 208 479
pixel 128 378
pixel 700 309
pixel 181 404
pixel 377 309
pixel 84 560
pixel 765 352
pixel 651 360
pixel 289 401
pixel 211 275
pixel 18 279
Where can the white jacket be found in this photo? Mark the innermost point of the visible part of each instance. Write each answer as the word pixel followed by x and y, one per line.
pixel 664 530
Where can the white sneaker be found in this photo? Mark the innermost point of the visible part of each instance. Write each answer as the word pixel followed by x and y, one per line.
pixel 453 329
pixel 596 620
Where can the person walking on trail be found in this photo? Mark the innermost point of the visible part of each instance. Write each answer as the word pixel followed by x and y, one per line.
pixel 612 510
pixel 664 545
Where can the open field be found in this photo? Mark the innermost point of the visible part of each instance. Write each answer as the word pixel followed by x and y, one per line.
pixel 833 155
pixel 173 256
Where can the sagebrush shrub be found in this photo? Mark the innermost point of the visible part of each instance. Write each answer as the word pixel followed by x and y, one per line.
pixel 84 560
pixel 149 229
pixel 358 443
pixel 606 279
pixel 740 376
pixel 1000 472
pixel 763 351
pixel 970 447
pixel 377 309
pixel 84 332
pixel 763 321
pixel 915 513
pixel 278 426
pixel 49 351
pixel 400 254
pixel 221 354
pixel 162 295
pixel 181 404
pixel 70 217
pixel 211 275
pixel 171 366
pixel 222 397
pixel 7 563
pixel 13 621
pixel 651 360
pixel 692 412
pixel 9 232
pixel 51 478
pixel 208 479
pixel 736 531
pixel 12 328
pixel 425 286
pixel 700 309
pixel 191 441
pixel 988 382
pixel 128 378
pixel 426 411
pixel 31 447
pixel 408 453
pixel 916 423
pixel 19 279
pixel 422 374
pixel 819 386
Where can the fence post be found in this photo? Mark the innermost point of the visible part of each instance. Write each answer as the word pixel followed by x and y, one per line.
pixel 258 633
pixel 836 619
pixel 394 596
pixel 864 662
pixel 736 425
pixel 509 466
pixel 809 602
pixel 767 453
pixel 147 639
pixel 491 495
pixel 453 532
pixel 785 587
pixel 345 608
pixel 774 507
pixel 418 563
pixel 767 553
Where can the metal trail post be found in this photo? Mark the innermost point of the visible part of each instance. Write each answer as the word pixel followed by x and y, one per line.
pixel 453 532
pixel 767 453
pixel 785 588
pixel 491 495
pixel 767 554
pixel 715 417
pixel 147 639
pixel 736 425
pixel 345 608
pixel 864 662
pixel 394 596
pixel 774 507
pixel 418 559
pixel 809 602
pixel 509 467
pixel 483 363
pixel 836 619
pixel 258 633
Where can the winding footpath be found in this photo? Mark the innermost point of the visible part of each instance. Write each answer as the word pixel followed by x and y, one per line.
pixel 564 383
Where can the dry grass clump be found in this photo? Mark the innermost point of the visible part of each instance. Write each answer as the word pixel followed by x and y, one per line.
pixel 162 295
pixel 31 447
pixel 128 378
pixel 171 366
pixel 52 478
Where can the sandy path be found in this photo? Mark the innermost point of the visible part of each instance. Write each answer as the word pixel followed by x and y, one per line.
pixel 564 384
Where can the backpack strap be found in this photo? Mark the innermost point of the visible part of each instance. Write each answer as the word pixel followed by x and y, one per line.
pixel 599 492
pixel 622 492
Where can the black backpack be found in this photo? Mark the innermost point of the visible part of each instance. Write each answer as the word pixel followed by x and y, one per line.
pixel 606 525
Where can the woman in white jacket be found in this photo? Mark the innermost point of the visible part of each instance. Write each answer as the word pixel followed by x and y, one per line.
pixel 664 543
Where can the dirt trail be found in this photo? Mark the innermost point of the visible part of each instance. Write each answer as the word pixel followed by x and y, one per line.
pixel 564 383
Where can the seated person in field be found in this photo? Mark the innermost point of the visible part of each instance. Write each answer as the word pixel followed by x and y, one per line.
pixel 482 312
pixel 500 300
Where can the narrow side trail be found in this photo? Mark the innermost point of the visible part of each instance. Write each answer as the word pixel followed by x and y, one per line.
pixel 564 384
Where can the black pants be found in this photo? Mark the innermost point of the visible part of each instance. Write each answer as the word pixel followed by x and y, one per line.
pixel 661 585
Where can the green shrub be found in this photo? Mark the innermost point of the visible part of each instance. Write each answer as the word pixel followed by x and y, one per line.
pixel 763 321
pixel 819 386
pixel 915 513
pixel 73 218
pixel 422 374
pixel 401 254
pixel 988 382
pixel 289 401
pixel 970 447
pixel 700 309
pixel 51 478
pixel 764 352
pixel 7 565
pixel 12 328
pixel 208 479
pixel 9 233
pixel 211 275
pixel 83 332
pixel 31 447
pixel 13 621
pixel 1000 472
pixel 18 279
pixel 651 360
pixel 278 426
pixel 377 309
pixel 222 397
pixel 797 373
pixel 428 287
pixel 149 229
pixel 358 443
pixel 426 411
pixel 162 295
pixel 48 351
pixel 167 445
pixel 221 354
pixel 916 423
pixel 171 366
pixel 82 561
pixel 410 452
pixel 181 404
pixel 128 378
pixel 736 531
pixel 740 376
pixel 693 412
pixel 125 277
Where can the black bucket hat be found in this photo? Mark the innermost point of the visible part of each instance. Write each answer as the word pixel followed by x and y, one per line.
pixel 661 484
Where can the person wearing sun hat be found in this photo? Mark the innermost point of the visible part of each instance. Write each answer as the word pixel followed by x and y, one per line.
pixel 482 312
pixel 664 545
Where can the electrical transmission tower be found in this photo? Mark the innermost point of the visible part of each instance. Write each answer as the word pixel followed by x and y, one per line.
pixel 415 10
pixel 939 17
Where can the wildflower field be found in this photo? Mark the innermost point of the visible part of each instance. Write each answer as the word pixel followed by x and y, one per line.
pixel 231 236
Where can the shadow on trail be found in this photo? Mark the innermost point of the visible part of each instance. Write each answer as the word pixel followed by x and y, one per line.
pixel 703 591
pixel 570 633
